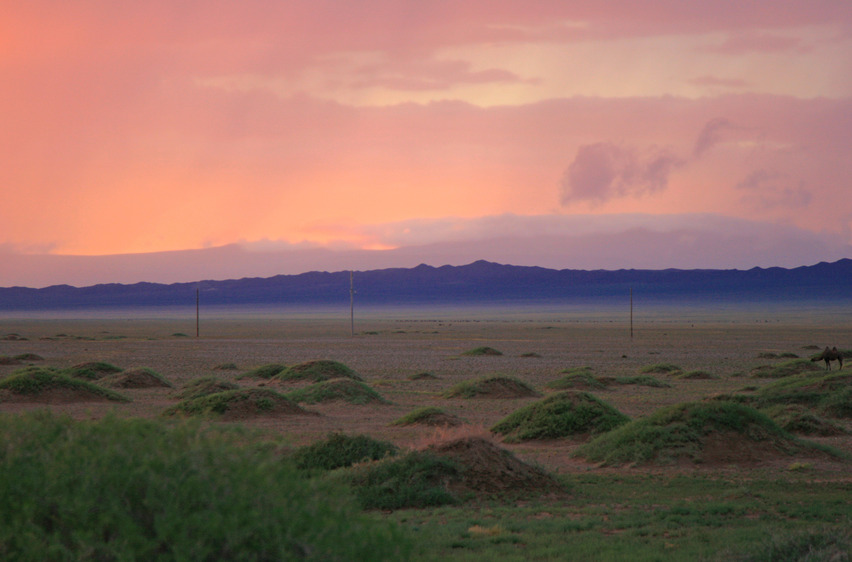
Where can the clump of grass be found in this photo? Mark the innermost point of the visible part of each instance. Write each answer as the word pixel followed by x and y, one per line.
pixel 413 480
pixel 561 415
pixel 830 394
pixel 491 387
pixel 643 380
pixel 798 419
pixel 92 370
pixel 578 378
pixel 48 384
pixel 204 386
pixel 661 369
pixel 680 432
pixel 264 371
pixel 142 377
pixel 697 375
pixel 480 351
pixel 340 450
pixel 238 403
pixel 785 369
pixel 136 489
pixel 430 416
pixel 317 371
pixel 343 389
pixel 226 367
pixel 422 376
pixel 29 357
pixel 530 355
pixel 822 544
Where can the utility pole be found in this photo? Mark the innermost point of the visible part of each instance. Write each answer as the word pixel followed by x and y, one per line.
pixel 351 303
pixel 197 299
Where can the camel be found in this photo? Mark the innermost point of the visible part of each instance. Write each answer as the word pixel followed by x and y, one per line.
pixel 829 355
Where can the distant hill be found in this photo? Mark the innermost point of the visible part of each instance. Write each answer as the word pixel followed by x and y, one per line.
pixel 478 282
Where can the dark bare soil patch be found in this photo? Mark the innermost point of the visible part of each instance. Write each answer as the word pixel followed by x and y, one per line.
pixel 491 387
pixel 142 377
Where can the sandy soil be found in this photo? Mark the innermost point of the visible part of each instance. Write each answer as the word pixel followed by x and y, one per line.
pixel 389 346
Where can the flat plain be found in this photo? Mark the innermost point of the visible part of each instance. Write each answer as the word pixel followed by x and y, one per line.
pixel 390 347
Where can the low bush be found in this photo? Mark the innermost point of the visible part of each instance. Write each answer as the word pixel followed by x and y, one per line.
pixel 560 415
pixel 49 384
pixel 133 489
pixel 480 351
pixel 340 450
pixel 318 371
pixel 344 389
pixel 204 386
pixel 491 387
pixel 92 370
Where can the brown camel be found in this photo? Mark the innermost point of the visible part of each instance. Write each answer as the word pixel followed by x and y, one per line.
pixel 829 355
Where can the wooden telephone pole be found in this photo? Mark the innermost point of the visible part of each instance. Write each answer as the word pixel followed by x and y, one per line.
pixel 352 303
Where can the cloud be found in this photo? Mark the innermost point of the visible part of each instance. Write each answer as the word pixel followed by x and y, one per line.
pixel 604 170
pixel 710 135
pixel 768 189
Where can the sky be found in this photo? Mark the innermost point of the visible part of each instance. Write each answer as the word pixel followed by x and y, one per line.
pixel 165 140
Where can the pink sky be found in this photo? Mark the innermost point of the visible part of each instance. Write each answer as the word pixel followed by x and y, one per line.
pixel 552 128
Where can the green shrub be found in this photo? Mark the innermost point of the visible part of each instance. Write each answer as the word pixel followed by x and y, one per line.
pixel 204 386
pixel 92 370
pixel 413 480
pixel 480 351
pixel 318 371
pixel 36 381
pixel 491 387
pixel 798 419
pixel 643 380
pixel 660 369
pixel 560 415
pixel 785 369
pixel 429 415
pixel 133 489
pixel 680 431
pixel 697 375
pixel 344 389
pixel 142 377
pixel 339 450
pixel 809 546
pixel 234 403
pixel 577 378
pixel 264 371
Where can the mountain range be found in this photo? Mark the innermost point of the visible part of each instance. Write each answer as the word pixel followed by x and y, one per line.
pixel 480 282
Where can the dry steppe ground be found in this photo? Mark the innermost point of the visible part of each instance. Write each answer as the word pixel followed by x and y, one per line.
pixel 391 345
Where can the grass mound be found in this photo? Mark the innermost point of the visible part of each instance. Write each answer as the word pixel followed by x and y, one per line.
pixel 239 404
pixel 204 386
pixel 643 380
pixel 785 369
pixel 798 419
pixel 660 369
pixel 697 375
pixel 431 416
pixel 142 377
pixel 480 351
pixel 700 432
pixel 561 415
pixel 578 378
pixel 445 473
pixel 423 376
pixel 339 450
pixel 264 371
pixel 92 370
pixel 29 357
pixel 318 371
pixel 830 395
pixel 38 384
pixel 491 387
pixel 135 489
pixel 226 367
pixel 342 389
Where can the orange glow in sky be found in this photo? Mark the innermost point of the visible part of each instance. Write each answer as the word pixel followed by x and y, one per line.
pixel 162 126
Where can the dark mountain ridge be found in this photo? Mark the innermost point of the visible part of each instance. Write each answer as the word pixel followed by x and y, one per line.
pixel 478 282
